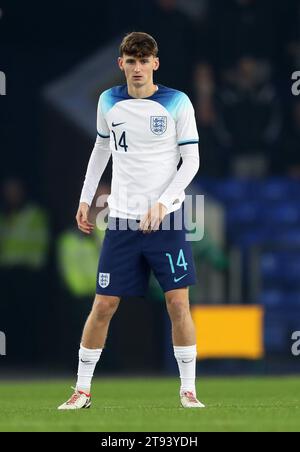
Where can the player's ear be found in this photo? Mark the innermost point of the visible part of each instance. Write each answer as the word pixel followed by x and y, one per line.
pixel 121 63
pixel 156 64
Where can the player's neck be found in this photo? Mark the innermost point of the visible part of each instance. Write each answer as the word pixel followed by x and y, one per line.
pixel 143 91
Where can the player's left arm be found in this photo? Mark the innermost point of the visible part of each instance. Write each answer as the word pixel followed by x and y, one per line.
pixel 188 142
pixel 184 176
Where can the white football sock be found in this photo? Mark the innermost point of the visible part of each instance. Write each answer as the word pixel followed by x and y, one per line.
pixel 88 359
pixel 186 360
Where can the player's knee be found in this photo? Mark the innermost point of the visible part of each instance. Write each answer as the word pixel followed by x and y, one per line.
pixel 177 307
pixel 105 306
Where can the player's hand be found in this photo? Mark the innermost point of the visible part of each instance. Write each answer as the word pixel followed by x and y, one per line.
pixel 82 218
pixel 151 221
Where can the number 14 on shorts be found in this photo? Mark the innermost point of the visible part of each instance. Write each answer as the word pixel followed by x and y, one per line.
pixel 181 262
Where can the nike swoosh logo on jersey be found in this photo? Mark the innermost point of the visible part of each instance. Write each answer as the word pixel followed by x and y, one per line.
pixel 118 124
pixel 86 362
pixel 178 279
pixel 186 362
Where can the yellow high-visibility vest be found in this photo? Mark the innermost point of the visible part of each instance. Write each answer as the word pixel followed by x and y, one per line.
pixel 78 257
pixel 24 238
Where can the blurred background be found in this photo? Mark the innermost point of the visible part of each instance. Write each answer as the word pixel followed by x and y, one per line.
pixel 235 60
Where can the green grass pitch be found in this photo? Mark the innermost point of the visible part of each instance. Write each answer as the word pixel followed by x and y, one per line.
pixel 151 405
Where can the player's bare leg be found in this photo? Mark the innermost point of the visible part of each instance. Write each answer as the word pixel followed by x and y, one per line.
pixel 183 329
pixel 184 342
pixel 97 324
pixel 92 343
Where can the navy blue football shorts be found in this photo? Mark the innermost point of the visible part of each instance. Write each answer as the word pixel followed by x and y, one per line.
pixel 128 255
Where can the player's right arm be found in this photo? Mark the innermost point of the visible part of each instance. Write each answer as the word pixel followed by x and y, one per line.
pixel 96 166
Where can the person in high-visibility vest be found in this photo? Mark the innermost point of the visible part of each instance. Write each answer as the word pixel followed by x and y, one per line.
pixel 24 244
pixel 77 261
pixel 24 230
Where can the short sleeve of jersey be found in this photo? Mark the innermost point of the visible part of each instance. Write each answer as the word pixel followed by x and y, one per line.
pixel 102 127
pixel 186 127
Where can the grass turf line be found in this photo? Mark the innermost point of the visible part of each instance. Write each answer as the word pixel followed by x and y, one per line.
pixel 152 405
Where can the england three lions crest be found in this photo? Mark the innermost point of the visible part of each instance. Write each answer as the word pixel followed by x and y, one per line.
pixel 104 279
pixel 158 124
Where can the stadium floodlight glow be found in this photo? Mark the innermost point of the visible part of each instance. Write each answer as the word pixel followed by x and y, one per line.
pixel 2 344
pixel 296 85
pixel 2 84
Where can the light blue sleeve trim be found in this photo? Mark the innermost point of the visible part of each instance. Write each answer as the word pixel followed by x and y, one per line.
pixel 183 143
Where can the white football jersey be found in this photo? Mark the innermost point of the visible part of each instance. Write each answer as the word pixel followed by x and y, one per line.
pixel 145 137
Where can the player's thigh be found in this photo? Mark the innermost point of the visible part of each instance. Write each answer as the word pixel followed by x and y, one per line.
pixel 171 259
pixel 122 270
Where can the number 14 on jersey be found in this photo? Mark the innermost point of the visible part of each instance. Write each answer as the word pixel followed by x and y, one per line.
pixel 122 142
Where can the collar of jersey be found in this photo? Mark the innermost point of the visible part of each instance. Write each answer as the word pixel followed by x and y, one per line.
pixel 143 98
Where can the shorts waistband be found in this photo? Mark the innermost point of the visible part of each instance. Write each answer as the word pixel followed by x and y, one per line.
pixel 123 224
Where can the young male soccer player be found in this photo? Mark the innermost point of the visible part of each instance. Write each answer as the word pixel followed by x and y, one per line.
pixel 146 128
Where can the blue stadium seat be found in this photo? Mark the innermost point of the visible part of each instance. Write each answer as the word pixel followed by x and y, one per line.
pixel 288 237
pixel 275 336
pixel 244 213
pixel 271 265
pixel 283 214
pixel 272 298
pixel 281 269
pixel 250 237
pixel 232 190
pixel 279 322
pixel 261 213
pixel 276 189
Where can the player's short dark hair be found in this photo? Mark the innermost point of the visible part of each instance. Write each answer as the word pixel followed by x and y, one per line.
pixel 139 44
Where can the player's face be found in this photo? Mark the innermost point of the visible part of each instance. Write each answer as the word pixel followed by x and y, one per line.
pixel 138 71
